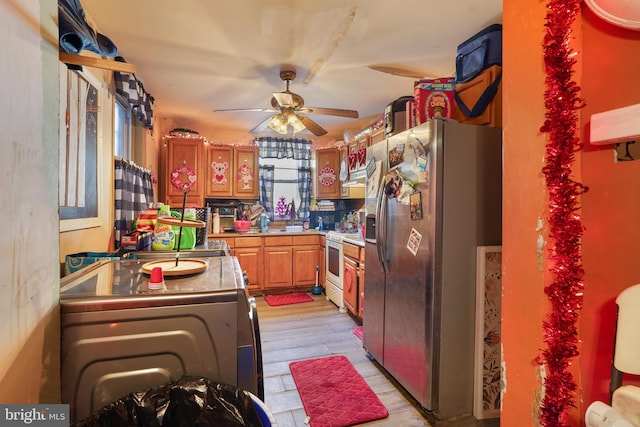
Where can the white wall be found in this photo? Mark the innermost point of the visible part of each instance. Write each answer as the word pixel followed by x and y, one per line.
pixel 29 269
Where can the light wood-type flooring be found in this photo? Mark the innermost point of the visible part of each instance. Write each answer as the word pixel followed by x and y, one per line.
pixel 317 329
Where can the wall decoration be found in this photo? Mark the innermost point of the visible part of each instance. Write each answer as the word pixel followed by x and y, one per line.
pixel 353 157
pixel 565 293
pixel 245 175
pixel 415 204
pixel 327 176
pixel 219 172
pixel 487 381
pixel 177 180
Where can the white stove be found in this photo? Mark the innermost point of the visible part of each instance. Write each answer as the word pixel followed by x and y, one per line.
pixel 334 274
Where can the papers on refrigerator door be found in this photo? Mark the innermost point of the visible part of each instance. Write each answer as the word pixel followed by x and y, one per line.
pixel 373 181
pixel 414 241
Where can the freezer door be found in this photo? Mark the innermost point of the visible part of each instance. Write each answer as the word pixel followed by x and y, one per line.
pixel 373 315
pixel 410 313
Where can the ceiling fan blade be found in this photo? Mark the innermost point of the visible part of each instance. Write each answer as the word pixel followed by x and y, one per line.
pixel 262 126
pixel 313 127
pixel 285 99
pixel 331 112
pixel 234 110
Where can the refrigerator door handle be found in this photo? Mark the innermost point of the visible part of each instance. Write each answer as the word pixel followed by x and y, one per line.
pixel 380 225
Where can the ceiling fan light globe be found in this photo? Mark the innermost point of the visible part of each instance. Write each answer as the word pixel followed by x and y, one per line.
pixel 297 125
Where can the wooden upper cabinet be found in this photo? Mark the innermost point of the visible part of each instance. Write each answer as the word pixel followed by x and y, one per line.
pixel 232 172
pixel 327 179
pixel 246 174
pixel 184 165
pixel 219 167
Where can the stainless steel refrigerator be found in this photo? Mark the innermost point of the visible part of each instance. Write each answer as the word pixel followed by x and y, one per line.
pixel 419 297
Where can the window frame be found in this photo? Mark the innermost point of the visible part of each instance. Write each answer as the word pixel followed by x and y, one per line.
pixel 77 221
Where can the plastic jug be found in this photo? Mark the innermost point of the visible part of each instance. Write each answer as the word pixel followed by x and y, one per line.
pixel 163 235
pixel 264 223
pixel 188 239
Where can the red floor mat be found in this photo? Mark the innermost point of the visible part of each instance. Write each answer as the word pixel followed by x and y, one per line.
pixel 334 394
pixel 294 298
pixel 358 332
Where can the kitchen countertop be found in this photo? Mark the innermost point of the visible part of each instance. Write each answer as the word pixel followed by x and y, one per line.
pixel 354 240
pixel 268 233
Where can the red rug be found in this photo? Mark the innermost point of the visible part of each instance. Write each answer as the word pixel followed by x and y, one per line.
pixel 358 332
pixel 294 298
pixel 334 394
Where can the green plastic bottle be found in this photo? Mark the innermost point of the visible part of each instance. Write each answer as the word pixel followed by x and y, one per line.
pixel 164 237
pixel 188 240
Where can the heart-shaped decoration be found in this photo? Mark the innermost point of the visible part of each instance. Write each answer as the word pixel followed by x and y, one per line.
pixel 192 178
pixel 175 174
pixel 219 177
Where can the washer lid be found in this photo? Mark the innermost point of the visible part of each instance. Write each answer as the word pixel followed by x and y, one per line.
pixel 621 13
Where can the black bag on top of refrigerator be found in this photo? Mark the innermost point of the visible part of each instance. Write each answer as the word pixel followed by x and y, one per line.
pixel 478 53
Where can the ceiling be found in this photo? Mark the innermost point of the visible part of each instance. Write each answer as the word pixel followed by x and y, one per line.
pixel 196 56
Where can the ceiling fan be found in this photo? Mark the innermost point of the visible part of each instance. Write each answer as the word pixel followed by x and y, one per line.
pixel 289 107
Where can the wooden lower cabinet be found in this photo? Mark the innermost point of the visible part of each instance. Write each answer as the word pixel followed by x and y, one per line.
pixel 278 267
pixel 249 250
pixel 250 260
pixel 305 261
pixel 278 262
pixel 351 286
pixel 290 261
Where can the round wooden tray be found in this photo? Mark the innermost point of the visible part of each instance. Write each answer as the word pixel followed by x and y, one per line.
pixel 185 266
pixel 185 223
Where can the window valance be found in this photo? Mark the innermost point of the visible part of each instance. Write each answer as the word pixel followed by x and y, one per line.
pixel 284 148
pixel 132 89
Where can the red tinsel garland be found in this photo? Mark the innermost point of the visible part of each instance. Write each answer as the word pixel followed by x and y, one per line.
pixel 565 227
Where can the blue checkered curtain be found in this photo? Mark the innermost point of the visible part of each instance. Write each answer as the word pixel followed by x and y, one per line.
pixel 304 188
pixel 266 188
pixel 133 194
pixel 132 90
pixel 284 148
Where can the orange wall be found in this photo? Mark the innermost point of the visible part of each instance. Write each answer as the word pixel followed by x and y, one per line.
pixel 611 208
pixel 523 300
pixel 608 58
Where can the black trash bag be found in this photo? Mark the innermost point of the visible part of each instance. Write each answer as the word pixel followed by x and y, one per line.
pixel 187 402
